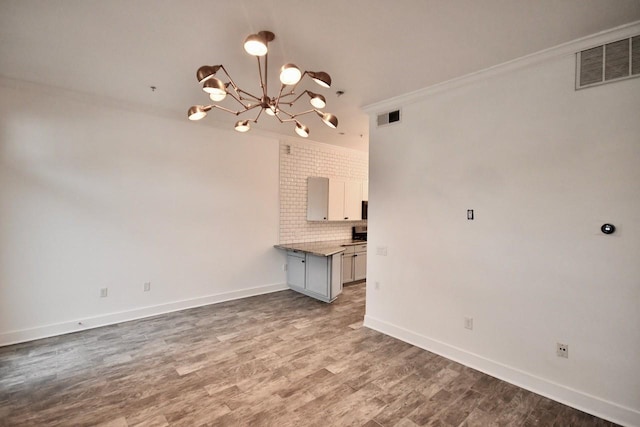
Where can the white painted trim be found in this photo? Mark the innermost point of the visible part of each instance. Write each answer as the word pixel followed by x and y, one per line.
pixel 568 396
pixel 24 335
pixel 569 48
pixel 296 142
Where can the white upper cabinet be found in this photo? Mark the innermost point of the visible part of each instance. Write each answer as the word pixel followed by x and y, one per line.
pixel 352 200
pixel 336 200
pixel 317 199
pixel 331 199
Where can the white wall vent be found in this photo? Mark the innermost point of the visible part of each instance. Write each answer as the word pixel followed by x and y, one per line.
pixel 613 61
pixel 389 118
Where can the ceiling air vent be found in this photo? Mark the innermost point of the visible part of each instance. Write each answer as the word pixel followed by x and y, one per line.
pixel 389 118
pixel 614 61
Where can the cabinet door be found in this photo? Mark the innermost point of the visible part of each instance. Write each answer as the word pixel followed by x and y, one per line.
pixel 336 200
pixel 347 268
pixel 333 199
pixel 360 266
pixel 296 271
pixel 317 198
pixel 336 275
pixel 318 271
pixel 352 200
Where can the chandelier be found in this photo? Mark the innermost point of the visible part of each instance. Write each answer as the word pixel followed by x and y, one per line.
pixel 290 76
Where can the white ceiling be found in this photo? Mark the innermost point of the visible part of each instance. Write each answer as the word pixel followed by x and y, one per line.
pixel 373 49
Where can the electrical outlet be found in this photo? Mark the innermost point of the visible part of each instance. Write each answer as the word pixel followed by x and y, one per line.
pixel 104 292
pixel 284 267
pixel 562 350
pixel 381 250
pixel 468 323
pixel 147 286
pixel 377 285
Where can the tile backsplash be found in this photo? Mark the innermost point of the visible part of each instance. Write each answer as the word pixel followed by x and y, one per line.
pixel 298 161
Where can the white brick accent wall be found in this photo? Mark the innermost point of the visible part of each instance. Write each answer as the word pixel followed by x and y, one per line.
pixel 298 161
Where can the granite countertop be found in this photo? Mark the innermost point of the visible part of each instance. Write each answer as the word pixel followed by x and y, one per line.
pixel 324 248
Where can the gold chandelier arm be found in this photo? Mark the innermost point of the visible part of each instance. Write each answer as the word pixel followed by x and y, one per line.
pixel 251 107
pixel 239 100
pixel 285 112
pixel 298 97
pixel 262 83
pixel 293 89
pixel 306 112
pixel 266 71
pixel 219 107
pixel 259 112
pixel 281 111
pixel 282 86
pixel 239 92
pixel 233 84
pixel 228 110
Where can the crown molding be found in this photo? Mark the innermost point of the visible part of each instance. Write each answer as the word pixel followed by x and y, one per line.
pixel 565 49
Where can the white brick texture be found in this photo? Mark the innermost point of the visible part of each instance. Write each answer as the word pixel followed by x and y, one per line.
pixel 301 160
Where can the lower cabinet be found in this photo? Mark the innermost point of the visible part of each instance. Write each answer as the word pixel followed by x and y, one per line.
pixel 319 277
pixel 354 263
pixel 296 269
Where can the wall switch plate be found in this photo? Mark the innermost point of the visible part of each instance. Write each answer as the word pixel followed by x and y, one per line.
pixel 562 350
pixel 104 292
pixel 377 285
pixel 468 323
pixel 284 267
pixel 381 250
pixel 147 286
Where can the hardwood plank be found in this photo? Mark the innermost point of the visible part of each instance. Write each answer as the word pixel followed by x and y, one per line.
pixel 278 359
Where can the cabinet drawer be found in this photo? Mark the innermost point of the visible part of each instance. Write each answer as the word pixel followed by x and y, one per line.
pixel 296 254
pixel 349 250
pixel 362 247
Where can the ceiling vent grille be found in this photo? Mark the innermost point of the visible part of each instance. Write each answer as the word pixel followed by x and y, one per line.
pixel 389 118
pixel 610 62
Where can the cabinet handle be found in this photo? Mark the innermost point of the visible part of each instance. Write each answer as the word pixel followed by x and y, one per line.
pixel 355 255
pixel 325 217
pixel 346 217
pixel 302 260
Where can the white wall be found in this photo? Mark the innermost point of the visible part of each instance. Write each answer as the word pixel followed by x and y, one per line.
pixel 300 160
pixel 95 196
pixel 544 166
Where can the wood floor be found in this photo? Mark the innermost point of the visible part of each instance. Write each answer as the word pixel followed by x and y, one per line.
pixel 281 359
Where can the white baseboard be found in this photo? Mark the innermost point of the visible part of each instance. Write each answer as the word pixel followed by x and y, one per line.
pixel 568 396
pixel 14 337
